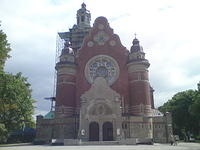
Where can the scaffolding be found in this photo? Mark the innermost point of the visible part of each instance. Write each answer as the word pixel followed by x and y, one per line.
pixel 59 46
pixel 76 37
pixel 60 41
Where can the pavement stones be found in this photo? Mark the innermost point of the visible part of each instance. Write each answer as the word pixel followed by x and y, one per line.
pixel 156 146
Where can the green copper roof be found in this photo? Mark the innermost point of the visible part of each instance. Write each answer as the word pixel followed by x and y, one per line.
pixel 49 115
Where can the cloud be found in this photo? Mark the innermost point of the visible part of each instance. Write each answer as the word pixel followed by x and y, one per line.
pixel 167 30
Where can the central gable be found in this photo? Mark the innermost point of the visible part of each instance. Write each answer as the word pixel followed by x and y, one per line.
pixel 101 41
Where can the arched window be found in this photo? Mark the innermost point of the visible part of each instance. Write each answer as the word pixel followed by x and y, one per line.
pixel 82 18
pixel 78 20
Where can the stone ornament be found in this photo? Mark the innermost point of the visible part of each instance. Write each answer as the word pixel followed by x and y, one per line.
pixel 101 38
pixel 102 66
pixel 82 132
pixel 118 131
pixel 90 44
pixel 100 26
pixel 112 43
pixel 100 109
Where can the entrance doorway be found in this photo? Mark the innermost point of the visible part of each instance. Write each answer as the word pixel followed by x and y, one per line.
pixel 94 131
pixel 107 131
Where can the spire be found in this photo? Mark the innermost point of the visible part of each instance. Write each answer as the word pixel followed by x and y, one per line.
pixel 83 5
pixel 136 50
pixel 83 16
pixel 136 46
pixel 135 35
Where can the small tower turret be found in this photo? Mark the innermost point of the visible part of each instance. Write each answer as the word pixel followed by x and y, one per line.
pixel 140 97
pixel 83 17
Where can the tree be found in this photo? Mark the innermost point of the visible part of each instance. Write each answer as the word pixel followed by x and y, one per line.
pixel 195 107
pixel 16 104
pixel 184 107
pixel 4 49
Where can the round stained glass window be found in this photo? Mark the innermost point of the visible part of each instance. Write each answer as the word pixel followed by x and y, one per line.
pixel 102 66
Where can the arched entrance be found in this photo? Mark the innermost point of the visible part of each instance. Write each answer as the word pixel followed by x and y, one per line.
pixel 107 131
pixel 94 131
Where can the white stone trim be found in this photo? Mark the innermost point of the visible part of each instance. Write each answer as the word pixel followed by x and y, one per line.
pixel 101 38
pixel 141 109
pixel 64 110
pixel 66 70
pixel 66 82
pixel 133 81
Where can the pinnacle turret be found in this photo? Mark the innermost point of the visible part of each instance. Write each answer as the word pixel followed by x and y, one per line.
pixel 136 53
pixel 136 46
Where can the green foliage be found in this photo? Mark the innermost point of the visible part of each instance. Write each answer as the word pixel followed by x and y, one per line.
pixel 3 133
pixel 4 49
pixel 185 109
pixel 195 107
pixel 16 105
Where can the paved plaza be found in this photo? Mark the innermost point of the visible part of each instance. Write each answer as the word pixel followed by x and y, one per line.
pixel 181 146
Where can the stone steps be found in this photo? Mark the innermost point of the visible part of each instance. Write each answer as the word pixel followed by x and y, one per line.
pixel 100 143
pixel 130 141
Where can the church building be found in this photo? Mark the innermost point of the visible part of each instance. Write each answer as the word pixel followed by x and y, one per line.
pixel 103 91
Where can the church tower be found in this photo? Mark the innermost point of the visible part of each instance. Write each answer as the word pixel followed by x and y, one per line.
pixel 83 17
pixel 79 30
pixel 140 98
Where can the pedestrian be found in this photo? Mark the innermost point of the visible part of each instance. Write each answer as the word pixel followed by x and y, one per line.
pixel 175 141
pixel 172 140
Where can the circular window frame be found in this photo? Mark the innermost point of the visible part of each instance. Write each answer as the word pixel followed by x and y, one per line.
pixel 93 59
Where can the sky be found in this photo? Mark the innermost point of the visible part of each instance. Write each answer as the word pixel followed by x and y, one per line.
pixel 168 30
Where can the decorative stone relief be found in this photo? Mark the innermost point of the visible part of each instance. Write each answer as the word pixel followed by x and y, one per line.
pixel 112 43
pixel 90 44
pixel 100 91
pixel 100 109
pixel 100 26
pixel 101 38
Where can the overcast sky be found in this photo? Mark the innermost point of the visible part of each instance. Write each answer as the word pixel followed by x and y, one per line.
pixel 168 30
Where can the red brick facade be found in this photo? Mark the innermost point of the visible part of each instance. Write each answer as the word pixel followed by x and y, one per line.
pixel 118 52
pixel 133 86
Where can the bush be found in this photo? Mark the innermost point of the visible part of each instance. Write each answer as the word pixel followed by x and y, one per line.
pixel 26 135
pixel 3 134
pixel 198 137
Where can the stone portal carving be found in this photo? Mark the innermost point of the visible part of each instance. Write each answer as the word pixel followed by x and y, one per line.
pixel 99 105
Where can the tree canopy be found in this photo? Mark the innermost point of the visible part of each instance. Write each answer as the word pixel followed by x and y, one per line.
pixel 15 101
pixel 4 49
pixel 16 104
pixel 185 109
